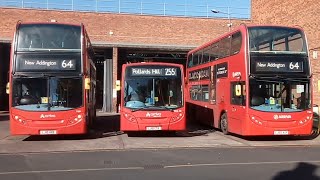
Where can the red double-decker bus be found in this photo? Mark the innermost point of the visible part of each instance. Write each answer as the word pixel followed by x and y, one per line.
pixel 152 97
pixel 255 80
pixel 52 79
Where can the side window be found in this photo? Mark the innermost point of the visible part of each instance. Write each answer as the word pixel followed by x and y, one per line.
pixel 213 51
pixel 205 58
pixel 195 59
pixel 212 86
pixel 200 57
pixel 190 61
pixel 206 55
pixel 205 93
pixel 200 93
pixel 224 47
pixel 195 93
pixel 236 43
pixel 238 93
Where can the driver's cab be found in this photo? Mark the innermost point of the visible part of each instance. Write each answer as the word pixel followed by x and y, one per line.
pixel 25 97
pixel 135 99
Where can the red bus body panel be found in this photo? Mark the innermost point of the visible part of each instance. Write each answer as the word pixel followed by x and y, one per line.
pixel 298 123
pixel 242 120
pixel 73 121
pixel 141 120
pixel 62 122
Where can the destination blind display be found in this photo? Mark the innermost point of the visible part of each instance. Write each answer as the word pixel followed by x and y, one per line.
pixel 279 66
pixel 148 71
pixel 47 63
pixel 67 64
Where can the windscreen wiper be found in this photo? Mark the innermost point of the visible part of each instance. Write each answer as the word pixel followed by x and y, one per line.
pixel 297 80
pixel 166 108
pixel 138 109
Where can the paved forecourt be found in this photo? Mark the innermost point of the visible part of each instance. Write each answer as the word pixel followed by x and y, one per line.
pixel 106 136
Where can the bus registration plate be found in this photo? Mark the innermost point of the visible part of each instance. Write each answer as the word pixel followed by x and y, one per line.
pixel 48 132
pixel 157 128
pixel 281 132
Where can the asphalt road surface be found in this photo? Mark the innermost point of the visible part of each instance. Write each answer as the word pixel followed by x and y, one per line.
pixel 163 164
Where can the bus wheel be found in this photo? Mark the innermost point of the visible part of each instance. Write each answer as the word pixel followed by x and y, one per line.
pixel 224 123
pixel 94 117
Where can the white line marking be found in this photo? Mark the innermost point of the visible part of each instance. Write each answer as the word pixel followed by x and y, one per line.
pixel 247 163
pixel 142 168
pixel 69 170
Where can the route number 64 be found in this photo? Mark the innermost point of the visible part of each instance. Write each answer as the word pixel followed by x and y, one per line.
pixel 294 65
pixel 67 64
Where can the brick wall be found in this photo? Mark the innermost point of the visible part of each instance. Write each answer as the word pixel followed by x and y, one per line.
pixel 303 13
pixel 129 29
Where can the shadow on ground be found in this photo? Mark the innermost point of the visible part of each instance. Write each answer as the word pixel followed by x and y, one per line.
pixel 108 125
pixel 313 135
pixel 105 126
pixel 302 170
pixel 193 129
pixel 4 116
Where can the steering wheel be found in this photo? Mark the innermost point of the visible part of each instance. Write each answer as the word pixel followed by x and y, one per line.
pixel 27 99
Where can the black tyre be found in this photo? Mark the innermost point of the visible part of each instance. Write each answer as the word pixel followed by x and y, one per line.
pixel 224 123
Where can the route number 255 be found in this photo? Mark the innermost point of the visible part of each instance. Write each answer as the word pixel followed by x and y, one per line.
pixel 170 71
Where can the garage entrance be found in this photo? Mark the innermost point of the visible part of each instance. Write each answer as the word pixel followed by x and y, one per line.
pixel 4 70
pixel 109 64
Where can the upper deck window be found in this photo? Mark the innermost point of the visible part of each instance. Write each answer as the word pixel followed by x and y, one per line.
pixel 227 46
pixel 48 37
pixel 276 40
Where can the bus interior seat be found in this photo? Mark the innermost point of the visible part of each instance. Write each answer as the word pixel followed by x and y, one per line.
pixel 257 100
pixel 25 100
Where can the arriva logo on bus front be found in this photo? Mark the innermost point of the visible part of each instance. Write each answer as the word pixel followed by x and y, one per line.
pixel 155 114
pixel 47 116
pixel 284 116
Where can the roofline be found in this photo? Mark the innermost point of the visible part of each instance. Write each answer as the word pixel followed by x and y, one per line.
pixel 48 23
pixel 170 47
pixel 96 44
pixel 5 40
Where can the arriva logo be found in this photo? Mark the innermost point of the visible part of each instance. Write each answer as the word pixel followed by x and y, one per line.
pixel 284 116
pixel 47 116
pixel 236 74
pixel 153 114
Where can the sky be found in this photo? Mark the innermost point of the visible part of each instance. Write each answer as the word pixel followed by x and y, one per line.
pixel 194 8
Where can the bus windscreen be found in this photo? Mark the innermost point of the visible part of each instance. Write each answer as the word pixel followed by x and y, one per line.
pixel 47 93
pixel 279 96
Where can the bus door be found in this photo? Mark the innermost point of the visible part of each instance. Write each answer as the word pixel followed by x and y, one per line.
pixel 237 111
